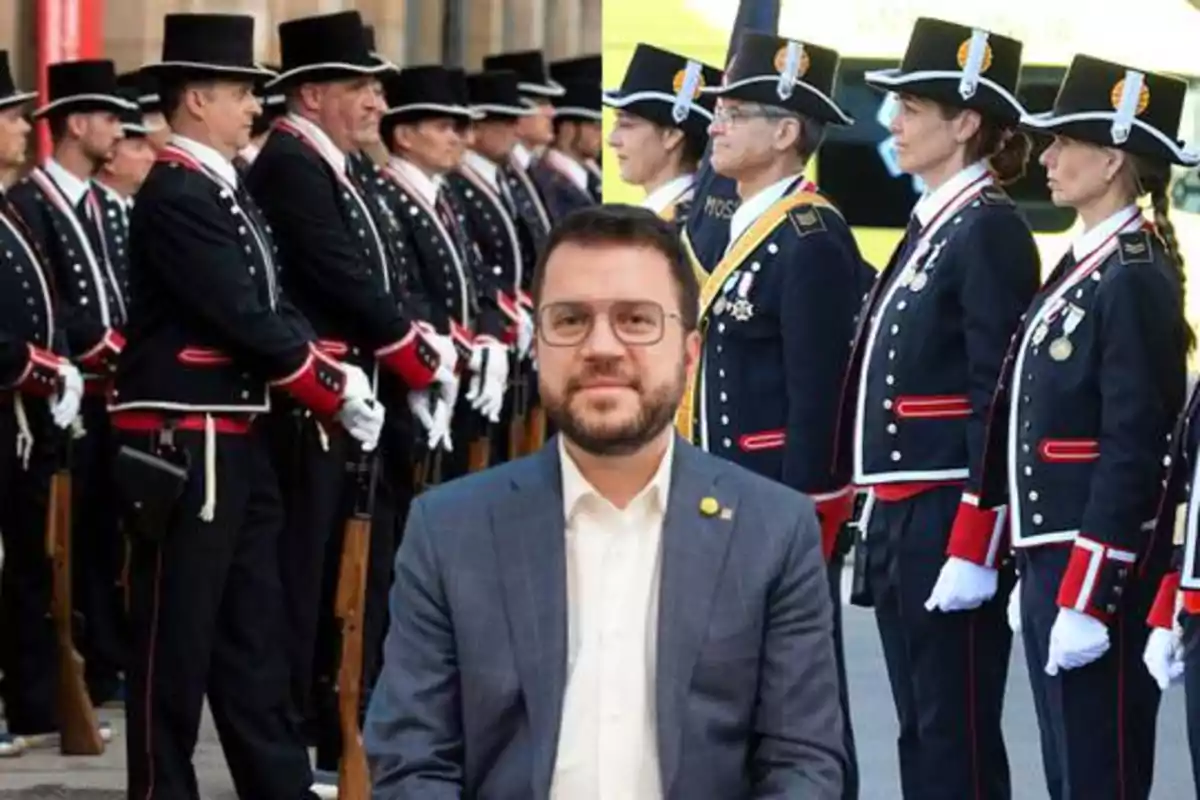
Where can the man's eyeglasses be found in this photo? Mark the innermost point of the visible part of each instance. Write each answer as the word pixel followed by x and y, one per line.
pixel 633 322
pixel 730 115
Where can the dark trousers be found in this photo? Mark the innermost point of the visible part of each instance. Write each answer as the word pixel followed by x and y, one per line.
pixel 850 776
pixel 28 649
pixel 1097 722
pixel 1191 688
pixel 98 555
pixel 206 616
pixel 311 465
pixel 947 671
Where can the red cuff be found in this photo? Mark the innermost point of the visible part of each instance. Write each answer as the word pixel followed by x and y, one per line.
pixel 833 512
pixel 1162 613
pixel 524 298
pixel 317 385
pixel 464 342
pixel 413 358
pixel 509 306
pixel 40 376
pixel 1092 582
pixel 103 355
pixel 1191 601
pixel 978 533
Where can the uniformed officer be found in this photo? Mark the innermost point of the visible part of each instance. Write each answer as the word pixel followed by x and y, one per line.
pixel 927 353
pixel 65 212
pixel 1096 380
pixel 661 130
pixel 426 107
pixel 274 105
pixel 210 337
pixel 144 88
pixel 777 312
pixel 585 70
pixel 331 240
pixel 41 392
pixel 561 173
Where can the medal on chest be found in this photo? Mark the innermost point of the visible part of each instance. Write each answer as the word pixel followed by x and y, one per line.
pixel 1061 348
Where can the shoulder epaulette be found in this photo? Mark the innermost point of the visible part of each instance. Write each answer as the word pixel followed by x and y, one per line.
pixel 806 219
pixel 993 195
pixel 1135 247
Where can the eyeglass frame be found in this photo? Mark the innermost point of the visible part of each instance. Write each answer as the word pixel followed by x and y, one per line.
pixel 664 315
pixel 731 115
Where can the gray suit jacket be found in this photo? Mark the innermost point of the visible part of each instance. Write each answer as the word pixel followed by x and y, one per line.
pixel 469 702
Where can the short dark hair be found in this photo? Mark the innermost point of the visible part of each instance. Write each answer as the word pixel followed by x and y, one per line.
pixel 629 225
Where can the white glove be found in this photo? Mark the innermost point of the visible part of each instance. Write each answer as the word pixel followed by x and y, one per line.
pixel 524 334
pixel 962 586
pixel 1014 609
pixel 489 378
pixel 1076 640
pixel 1163 656
pixel 360 414
pixel 64 408
pixel 435 416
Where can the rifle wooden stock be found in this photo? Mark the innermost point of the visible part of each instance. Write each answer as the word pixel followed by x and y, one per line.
pixel 479 454
pixel 354 781
pixel 535 429
pixel 517 422
pixel 79 729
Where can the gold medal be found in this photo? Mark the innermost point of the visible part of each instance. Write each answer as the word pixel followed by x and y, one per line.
pixel 1061 348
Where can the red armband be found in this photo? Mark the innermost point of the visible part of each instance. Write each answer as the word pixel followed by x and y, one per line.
pixel 977 533
pixel 317 385
pixel 509 306
pixel 1191 601
pixel 40 377
pixel 103 355
pixel 412 358
pixel 833 510
pixel 1162 613
pixel 1095 578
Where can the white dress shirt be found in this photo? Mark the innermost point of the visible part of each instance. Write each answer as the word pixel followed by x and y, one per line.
pixel 1127 219
pixel 484 168
pixel 608 743
pixel 932 202
pixel 320 138
pixel 669 193
pixel 72 186
pixel 208 157
pixel 523 156
pixel 754 207
pixel 577 173
pixel 425 186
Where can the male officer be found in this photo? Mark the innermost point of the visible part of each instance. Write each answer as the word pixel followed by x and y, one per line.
pixel 339 276
pixel 86 254
pixel 586 71
pixel 778 310
pixel 40 391
pixel 210 336
pixel 144 89
pixel 561 173
pixel 661 131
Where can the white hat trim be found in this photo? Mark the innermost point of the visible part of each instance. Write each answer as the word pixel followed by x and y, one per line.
pixel 894 78
pixel 579 111
pixel 499 108
pixel 453 111
pixel 551 88
pixel 721 90
pixel 1047 120
pixel 359 69
pixel 620 101
pixel 254 72
pixel 108 99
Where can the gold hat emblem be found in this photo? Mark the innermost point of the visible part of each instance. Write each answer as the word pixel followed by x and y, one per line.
pixel 964 50
pixel 1143 97
pixel 680 77
pixel 781 61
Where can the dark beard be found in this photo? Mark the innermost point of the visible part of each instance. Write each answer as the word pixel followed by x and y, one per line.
pixel 657 413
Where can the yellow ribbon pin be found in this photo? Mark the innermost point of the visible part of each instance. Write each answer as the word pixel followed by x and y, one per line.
pixel 709 506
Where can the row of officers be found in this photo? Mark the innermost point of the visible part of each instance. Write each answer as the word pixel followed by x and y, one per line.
pixel 1023 451
pixel 230 292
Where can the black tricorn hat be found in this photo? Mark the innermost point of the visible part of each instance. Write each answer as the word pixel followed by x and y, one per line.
pixel 1113 105
pixel 581 69
pixel 785 73
pixel 329 47
pixel 201 45
pixel 458 79
pixel 133 124
pixel 9 94
pixel 373 49
pixel 958 66
pixel 144 87
pixel 427 91
pixel 533 79
pixel 494 94
pixel 665 88
pixel 82 86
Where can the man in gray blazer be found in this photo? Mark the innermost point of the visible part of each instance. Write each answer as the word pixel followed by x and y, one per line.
pixel 619 616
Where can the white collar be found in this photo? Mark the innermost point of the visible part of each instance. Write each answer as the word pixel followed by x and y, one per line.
pixel 576 487
pixel 1129 217
pixel 72 186
pixel 932 202
pixel 576 172
pixel 484 167
pixel 208 157
pixel 114 195
pixel 427 187
pixel 522 155
pixel 670 192
pixel 250 152
pixel 320 138
pixel 754 207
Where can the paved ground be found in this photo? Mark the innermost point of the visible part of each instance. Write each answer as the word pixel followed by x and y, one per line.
pixel 102 777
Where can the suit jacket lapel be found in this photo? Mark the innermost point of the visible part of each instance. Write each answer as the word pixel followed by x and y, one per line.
pixel 694 549
pixel 530 532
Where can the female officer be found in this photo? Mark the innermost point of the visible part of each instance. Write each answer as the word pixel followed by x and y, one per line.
pixel 1095 381
pixel 927 354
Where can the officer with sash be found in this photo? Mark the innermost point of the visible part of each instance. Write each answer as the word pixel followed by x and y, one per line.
pixel 778 310
pixel 65 211
pixel 661 130
pixel 586 71
pixel 427 106
pixel 40 393
pixel 1096 382
pixel 213 344
pixel 143 88
pixel 338 273
pixel 562 174
pixel 927 353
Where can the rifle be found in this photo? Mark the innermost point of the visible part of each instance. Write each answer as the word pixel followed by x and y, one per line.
pixel 79 729
pixel 354 782
pixel 535 429
pixel 479 453
pixel 516 424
